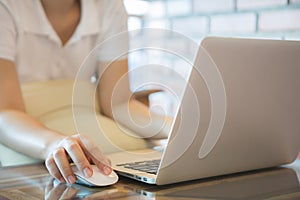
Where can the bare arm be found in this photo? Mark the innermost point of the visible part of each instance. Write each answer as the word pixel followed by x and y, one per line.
pixel 116 102
pixel 13 120
pixel 20 131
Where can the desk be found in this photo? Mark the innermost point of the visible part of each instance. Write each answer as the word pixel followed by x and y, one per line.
pixel 34 182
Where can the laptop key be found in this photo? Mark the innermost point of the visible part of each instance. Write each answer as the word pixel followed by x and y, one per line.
pixel 149 166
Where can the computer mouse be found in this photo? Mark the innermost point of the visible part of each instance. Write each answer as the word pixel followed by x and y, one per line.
pixel 97 179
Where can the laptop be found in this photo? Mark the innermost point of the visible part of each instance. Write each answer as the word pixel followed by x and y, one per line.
pixel 240 111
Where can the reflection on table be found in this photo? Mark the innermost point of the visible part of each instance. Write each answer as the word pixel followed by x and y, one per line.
pixel 34 182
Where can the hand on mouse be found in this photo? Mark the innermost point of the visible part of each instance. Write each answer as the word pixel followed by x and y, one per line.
pixel 82 152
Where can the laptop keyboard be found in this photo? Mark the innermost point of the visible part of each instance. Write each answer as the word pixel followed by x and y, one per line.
pixel 149 166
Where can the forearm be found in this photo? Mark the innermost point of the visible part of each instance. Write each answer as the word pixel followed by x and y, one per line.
pixel 138 118
pixel 116 102
pixel 25 134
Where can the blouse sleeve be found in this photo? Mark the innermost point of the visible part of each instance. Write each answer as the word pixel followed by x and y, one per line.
pixel 8 34
pixel 114 32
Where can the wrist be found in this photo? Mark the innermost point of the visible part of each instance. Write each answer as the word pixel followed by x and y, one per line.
pixel 52 143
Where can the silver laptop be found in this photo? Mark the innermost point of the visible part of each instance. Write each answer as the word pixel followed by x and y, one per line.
pixel 240 111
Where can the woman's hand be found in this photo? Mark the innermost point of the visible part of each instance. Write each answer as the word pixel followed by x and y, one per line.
pixel 79 150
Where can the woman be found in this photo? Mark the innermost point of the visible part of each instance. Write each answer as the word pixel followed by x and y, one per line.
pixel 40 40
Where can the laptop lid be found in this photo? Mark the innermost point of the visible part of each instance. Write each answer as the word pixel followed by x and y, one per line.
pixel 239 112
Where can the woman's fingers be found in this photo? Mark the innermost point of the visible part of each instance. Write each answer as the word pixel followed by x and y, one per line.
pixel 93 152
pixel 59 167
pixel 53 169
pixel 102 162
pixel 63 165
pixel 81 151
pixel 74 150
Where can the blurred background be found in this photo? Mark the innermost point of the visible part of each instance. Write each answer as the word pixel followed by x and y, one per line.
pixel 266 19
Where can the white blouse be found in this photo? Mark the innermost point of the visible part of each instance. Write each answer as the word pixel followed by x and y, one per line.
pixel 28 39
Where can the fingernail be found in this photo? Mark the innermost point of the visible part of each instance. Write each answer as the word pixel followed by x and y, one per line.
pixel 107 170
pixel 71 179
pixel 87 172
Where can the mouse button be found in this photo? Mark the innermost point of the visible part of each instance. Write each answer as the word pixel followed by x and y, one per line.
pixel 103 180
pixel 96 172
pixel 97 179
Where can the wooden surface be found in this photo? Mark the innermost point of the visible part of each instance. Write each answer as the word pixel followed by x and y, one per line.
pixel 34 182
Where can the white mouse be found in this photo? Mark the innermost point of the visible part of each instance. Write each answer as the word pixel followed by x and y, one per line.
pixel 97 179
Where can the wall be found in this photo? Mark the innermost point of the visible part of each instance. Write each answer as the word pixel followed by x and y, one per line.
pixel 278 19
pixel 270 19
